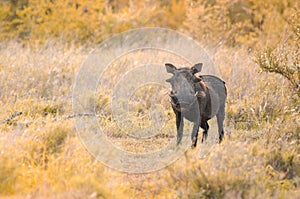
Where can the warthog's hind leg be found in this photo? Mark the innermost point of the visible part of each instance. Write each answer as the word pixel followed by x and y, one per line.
pixel 205 127
pixel 220 120
pixel 195 134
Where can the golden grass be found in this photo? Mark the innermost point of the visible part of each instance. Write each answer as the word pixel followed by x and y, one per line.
pixel 41 156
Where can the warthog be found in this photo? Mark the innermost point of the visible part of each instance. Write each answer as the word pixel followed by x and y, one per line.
pixel 197 99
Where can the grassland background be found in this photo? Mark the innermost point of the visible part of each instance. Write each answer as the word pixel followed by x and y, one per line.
pixel 254 43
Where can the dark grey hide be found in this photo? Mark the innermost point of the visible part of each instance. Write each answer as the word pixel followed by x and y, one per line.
pixel 197 99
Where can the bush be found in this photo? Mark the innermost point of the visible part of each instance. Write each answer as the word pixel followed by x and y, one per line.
pixel 284 58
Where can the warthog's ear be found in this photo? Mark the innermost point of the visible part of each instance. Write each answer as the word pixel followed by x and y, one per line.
pixel 170 68
pixel 197 68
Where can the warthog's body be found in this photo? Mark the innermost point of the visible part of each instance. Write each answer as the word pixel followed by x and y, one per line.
pixel 197 99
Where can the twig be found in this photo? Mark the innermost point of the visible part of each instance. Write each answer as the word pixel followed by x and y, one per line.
pixel 11 117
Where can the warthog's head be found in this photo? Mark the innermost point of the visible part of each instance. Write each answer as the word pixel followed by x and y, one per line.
pixel 184 86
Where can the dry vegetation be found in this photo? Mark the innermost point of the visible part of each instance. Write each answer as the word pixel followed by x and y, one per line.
pixel 43 44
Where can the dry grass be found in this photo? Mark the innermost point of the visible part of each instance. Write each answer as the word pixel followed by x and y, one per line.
pixel 41 157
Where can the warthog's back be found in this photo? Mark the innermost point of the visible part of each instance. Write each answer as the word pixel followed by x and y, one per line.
pixel 212 79
pixel 217 91
pixel 216 84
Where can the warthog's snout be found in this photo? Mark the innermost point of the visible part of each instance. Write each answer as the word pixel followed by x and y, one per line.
pixel 177 103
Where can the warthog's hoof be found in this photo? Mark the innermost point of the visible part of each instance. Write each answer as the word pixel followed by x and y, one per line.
pixel 221 139
pixel 178 142
pixel 194 142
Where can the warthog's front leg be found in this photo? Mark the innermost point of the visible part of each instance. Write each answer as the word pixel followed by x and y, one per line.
pixel 179 126
pixel 195 134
